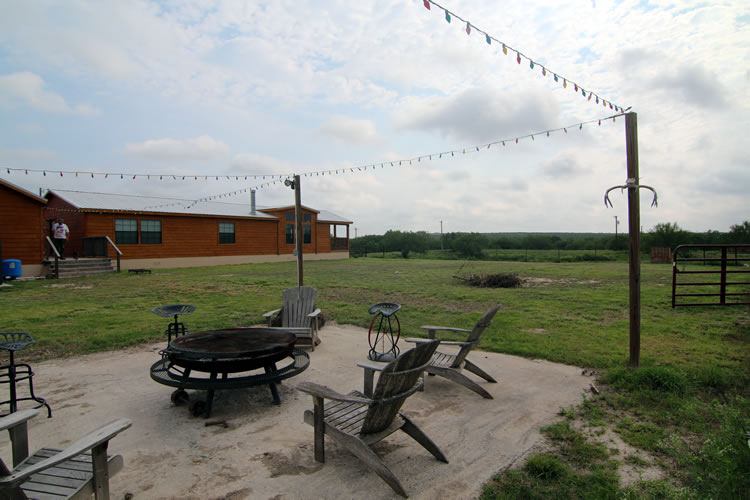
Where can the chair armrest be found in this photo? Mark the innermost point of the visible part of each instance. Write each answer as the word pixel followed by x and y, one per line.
pixel 314 314
pixel 378 366
pixel 443 328
pixel 271 314
pixel 417 340
pixel 321 391
pixel 414 340
pixel 17 418
pixel 99 436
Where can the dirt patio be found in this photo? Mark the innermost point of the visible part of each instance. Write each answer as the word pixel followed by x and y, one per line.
pixel 266 451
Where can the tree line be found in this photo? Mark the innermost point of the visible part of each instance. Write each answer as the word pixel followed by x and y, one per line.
pixel 474 245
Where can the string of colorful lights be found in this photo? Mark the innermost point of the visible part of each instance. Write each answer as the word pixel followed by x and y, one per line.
pixel 520 57
pixel 503 143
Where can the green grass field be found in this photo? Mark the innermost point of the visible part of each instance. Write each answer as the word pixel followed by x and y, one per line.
pixel 688 406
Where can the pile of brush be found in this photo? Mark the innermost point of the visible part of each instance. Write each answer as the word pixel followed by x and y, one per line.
pixel 502 280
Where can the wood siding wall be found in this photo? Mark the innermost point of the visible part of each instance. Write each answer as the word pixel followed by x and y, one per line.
pixel 188 236
pixel 324 237
pixel 21 227
pixel 284 247
pixel 182 236
pixel 76 222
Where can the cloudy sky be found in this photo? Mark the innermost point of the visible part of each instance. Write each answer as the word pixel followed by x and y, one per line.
pixel 274 87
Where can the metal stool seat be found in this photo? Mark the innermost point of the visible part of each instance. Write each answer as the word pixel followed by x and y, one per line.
pixel 177 328
pixel 385 313
pixel 13 372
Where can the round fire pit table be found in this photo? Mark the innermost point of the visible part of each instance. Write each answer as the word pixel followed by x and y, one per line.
pixel 228 359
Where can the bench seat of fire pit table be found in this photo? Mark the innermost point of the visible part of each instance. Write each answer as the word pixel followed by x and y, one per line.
pixel 233 362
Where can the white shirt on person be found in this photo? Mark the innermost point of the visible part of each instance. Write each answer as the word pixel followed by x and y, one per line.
pixel 60 231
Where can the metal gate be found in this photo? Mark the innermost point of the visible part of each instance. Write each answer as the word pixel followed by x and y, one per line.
pixel 711 275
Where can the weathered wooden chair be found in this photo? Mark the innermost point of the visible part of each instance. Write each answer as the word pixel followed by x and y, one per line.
pixel 51 473
pixel 357 422
pixel 298 314
pixel 450 365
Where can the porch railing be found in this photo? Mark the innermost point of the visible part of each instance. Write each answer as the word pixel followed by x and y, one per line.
pixel 339 243
pixel 118 253
pixel 56 254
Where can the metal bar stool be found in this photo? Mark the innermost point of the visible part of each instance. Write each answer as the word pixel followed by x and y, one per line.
pixel 177 328
pixel 13 372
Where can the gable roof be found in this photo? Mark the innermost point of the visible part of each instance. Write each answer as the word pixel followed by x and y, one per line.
pixel 326 216
pixel 109 202
pixel 22 191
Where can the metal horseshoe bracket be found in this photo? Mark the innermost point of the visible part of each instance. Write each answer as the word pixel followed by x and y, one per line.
pixel 630 184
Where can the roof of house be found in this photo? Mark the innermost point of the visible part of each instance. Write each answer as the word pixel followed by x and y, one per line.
pixel 22 191
pixel 133 203
pixel 326 216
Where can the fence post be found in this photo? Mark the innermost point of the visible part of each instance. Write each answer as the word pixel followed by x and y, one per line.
pixel 723 285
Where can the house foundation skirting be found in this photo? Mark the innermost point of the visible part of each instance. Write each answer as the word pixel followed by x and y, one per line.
pixel 174 262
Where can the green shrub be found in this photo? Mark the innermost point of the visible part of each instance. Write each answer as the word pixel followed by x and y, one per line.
pixel 715 379
pixel 655 378
pixel 586 257
pixel 547 467
pixel 721 469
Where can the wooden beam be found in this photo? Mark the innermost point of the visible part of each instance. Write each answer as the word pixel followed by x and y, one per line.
pixel 634 228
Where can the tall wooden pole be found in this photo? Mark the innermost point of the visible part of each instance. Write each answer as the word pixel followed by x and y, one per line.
pixel 634 228
pixel 298 228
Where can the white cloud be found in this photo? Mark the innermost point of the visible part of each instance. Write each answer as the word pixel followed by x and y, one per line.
pixel 479 114
pixel 29 89
pixel 30 158
pixel 202 147
pixel 266 78
pixel 350 130
pixel 252 163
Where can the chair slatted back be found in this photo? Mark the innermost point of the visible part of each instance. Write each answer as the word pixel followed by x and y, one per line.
pixel 476 333
pixel 397 381
pixel 297 303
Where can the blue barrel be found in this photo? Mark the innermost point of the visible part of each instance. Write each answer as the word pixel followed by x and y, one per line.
pixel 12 268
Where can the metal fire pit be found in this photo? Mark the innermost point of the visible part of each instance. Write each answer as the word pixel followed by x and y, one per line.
pixel 195 361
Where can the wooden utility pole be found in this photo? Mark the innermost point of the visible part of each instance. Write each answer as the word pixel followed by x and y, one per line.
pixel 634 228
pixel 298 228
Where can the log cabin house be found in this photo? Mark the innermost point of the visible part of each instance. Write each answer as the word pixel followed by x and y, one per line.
pixel 22 227
pixel 161 232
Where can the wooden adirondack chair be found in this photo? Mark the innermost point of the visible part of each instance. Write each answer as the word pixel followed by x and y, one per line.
pixel 51 473
pixel 357 422
pixel 450 365
pixel 298 313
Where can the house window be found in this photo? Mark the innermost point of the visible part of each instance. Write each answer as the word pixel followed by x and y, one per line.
pixel 289 234
pixel 289 227
pixel 151 231
pixel 126 231
pixel 307 228
pixel 226 232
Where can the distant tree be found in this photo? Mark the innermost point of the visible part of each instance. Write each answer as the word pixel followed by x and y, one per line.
pixel 539 241
pixel 504 243
pixel 470 245
pixel 739 233
pixel 619 242
pixel 666 234
pixel 406 242
pixel 365 244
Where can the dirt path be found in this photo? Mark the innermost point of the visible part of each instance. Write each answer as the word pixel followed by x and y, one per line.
pixel 266 451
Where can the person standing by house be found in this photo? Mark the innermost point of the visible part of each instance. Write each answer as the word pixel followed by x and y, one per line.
pixel 60 234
